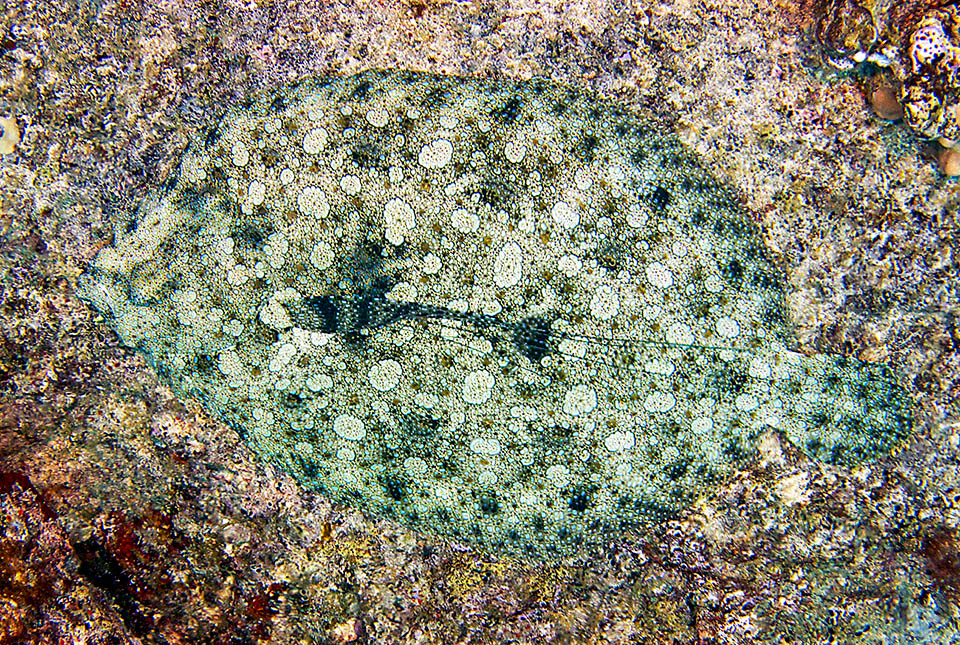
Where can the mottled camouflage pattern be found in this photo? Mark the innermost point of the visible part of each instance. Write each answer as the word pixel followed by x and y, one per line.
pixel 512 313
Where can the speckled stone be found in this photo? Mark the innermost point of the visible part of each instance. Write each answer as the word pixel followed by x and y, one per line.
pixel 513 313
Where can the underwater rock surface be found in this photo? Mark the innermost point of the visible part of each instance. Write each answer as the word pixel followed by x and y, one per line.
pixel 513 313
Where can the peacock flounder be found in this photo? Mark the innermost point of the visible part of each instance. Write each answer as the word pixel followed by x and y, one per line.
pixel 513 313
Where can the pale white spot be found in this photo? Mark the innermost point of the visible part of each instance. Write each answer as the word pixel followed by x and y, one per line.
pixel 350 184
pixel 652 312
pixel 398 218
pixel 484 446
pixel 321 257
pixel 747 402
pixel 660 366
pixel 426 400
pixel 346 454
pixel 728 327
pixel 702 425
pixel 713 283
pixel 349 427
pixel 659 402
pixel 313 201
pixel 431 264
pixel 319 382
pixel 394 175
pixel 234 327
pixel 229 363
pixel 239 154
pixel 272 125
pixel 679 334
pixel 620 441
pixel 491 307
pixel 564 215
pixel 237 275
pixel 477 387
pixel 436 154
pixel 579 400
pixel 303 448
pixel 487 478
pixel 659 275
pixel 569 265
pixel 559 475
pixel 759 368
pixel 508 265
pixel 275 249
pixel 286 176
pixel 543 126
pixel 636 216
pixel 377 117
pixel 385 375
pixel 464 221
pixel 274 314
pixel 582 179
pixel 225 247
pixel 285 354
pixel 449 121
pixel 605 303
pixel 679 249
pixel 514 152
pixel 314 141
pixel 403 292
pixel 574 348
pixel 256 192
pixel 415 465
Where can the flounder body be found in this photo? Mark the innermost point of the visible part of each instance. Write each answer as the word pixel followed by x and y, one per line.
pixel 513 313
